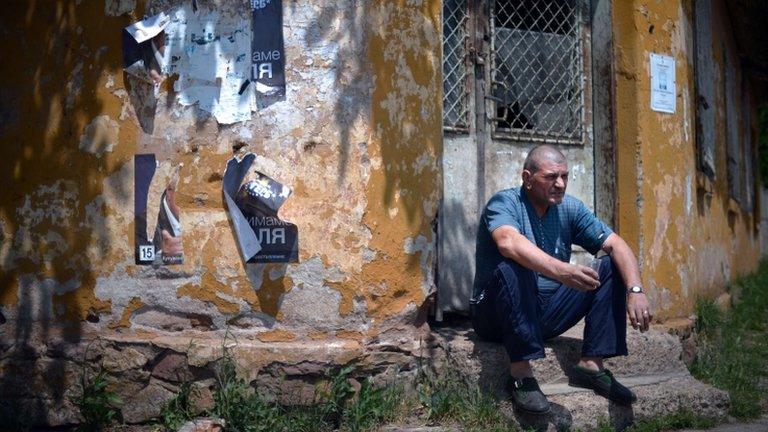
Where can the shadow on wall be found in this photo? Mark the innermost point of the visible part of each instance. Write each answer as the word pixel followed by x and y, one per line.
pixel 348 27
pixel 349 58
pixel 53 218
pixel 50 210
pixel 455 270
pixel 358 66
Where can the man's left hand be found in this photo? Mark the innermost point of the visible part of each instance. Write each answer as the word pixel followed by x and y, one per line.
pixel 639 311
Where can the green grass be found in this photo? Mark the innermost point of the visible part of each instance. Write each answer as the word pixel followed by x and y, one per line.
pixel 733 345
pixel 96 403
pixel 446 399
pixel 682 419
pixel 440 398
pixel 336 405
pixel 178 410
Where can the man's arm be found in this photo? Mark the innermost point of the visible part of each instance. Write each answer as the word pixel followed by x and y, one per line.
pixel 518 248
pixel 638 307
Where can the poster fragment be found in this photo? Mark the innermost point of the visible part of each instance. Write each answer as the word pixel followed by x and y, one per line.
pixel 267 49
pixel 144 48
pixel 253 200
pixel 156 195
pixel 209 52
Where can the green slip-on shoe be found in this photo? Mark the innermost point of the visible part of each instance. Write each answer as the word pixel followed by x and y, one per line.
pixel 603 383
pixel 527 396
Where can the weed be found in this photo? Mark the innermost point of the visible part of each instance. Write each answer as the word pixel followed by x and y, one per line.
pixel 733 348
pixel 238 404
pixel 178 409
pixel 95 402
pixel 334 397
pixel 448 398
pixel 372 407
pixel 681 419
pixel 709 318
pixel 305 419
pixel 243 409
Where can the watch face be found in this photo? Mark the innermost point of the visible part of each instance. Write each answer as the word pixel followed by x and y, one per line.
pixel 636 289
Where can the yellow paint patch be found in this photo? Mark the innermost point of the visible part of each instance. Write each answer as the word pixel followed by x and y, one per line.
pixel 318 335
pixel 206 291
pixel 276 335
pixel 352 335
pixel 125 319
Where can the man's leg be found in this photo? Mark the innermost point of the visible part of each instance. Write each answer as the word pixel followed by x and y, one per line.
pixel 511 305
pixel 605 311
pixel 605 329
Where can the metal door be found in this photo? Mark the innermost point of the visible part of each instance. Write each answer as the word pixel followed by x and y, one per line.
pixel 517 73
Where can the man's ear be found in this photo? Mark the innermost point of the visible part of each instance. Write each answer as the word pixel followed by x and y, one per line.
pixel 526 178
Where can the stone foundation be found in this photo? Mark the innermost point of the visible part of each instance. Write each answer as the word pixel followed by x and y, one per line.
pixel 38 380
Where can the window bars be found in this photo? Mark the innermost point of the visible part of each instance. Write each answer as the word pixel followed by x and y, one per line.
pixel 455 85
pixel 537 70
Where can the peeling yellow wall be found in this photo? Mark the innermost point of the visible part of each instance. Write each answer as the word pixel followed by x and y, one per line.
pixel 690 244
pixel 358 140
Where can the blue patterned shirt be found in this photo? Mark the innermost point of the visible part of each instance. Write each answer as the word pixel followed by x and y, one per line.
pixel 563 225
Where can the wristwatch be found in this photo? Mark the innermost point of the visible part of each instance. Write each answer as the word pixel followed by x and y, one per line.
pixel 635 289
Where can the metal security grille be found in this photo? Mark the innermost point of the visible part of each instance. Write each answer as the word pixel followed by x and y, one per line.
pixel 538 66
pixel 455 85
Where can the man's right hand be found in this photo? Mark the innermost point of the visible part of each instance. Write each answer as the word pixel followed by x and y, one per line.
pixel 516 247
pixel 579 277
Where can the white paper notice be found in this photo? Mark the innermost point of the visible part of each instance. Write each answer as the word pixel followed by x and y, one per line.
pixel 148 28
pixel 234 104
pixel 663 86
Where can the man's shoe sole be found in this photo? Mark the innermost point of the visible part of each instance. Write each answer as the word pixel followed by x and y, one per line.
pixel 519 408
pixel 574 382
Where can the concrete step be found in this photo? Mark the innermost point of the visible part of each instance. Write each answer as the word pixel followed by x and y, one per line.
pixel 657 395
pixel 653 369
pixel 575 408
pixel 652 353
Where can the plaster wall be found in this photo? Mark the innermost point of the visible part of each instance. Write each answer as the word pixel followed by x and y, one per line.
pixel 691 237
pixel 357 139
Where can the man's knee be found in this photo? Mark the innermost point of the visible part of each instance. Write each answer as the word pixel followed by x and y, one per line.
pixel 510 274
pixel 608 269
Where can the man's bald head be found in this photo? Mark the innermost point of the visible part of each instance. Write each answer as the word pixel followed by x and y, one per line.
pixel 540 154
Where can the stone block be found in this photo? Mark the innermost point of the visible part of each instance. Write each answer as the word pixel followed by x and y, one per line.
pixel 123 359
pixel 723 302
pixel 201 396
pixel 173 367
pixel 653 352
pixel 146 404
pixel 580 409
pixel 203 425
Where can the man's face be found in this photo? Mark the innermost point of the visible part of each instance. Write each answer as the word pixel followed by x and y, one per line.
pixel 547 185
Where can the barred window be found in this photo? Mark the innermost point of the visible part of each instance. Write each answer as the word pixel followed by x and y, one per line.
pixel 537 70
pixel 455 85
pixel 705 88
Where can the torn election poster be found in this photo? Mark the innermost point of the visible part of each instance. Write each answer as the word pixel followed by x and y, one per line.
pixel 144 49
pixel 210 54
pixel 165 245
pixel 267 50
pixel 253 200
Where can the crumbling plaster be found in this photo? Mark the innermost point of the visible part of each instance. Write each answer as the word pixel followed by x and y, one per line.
pixel 688 243
pixel 357 139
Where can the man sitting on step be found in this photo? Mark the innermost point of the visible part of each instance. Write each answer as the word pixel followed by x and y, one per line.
pixel 526 291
